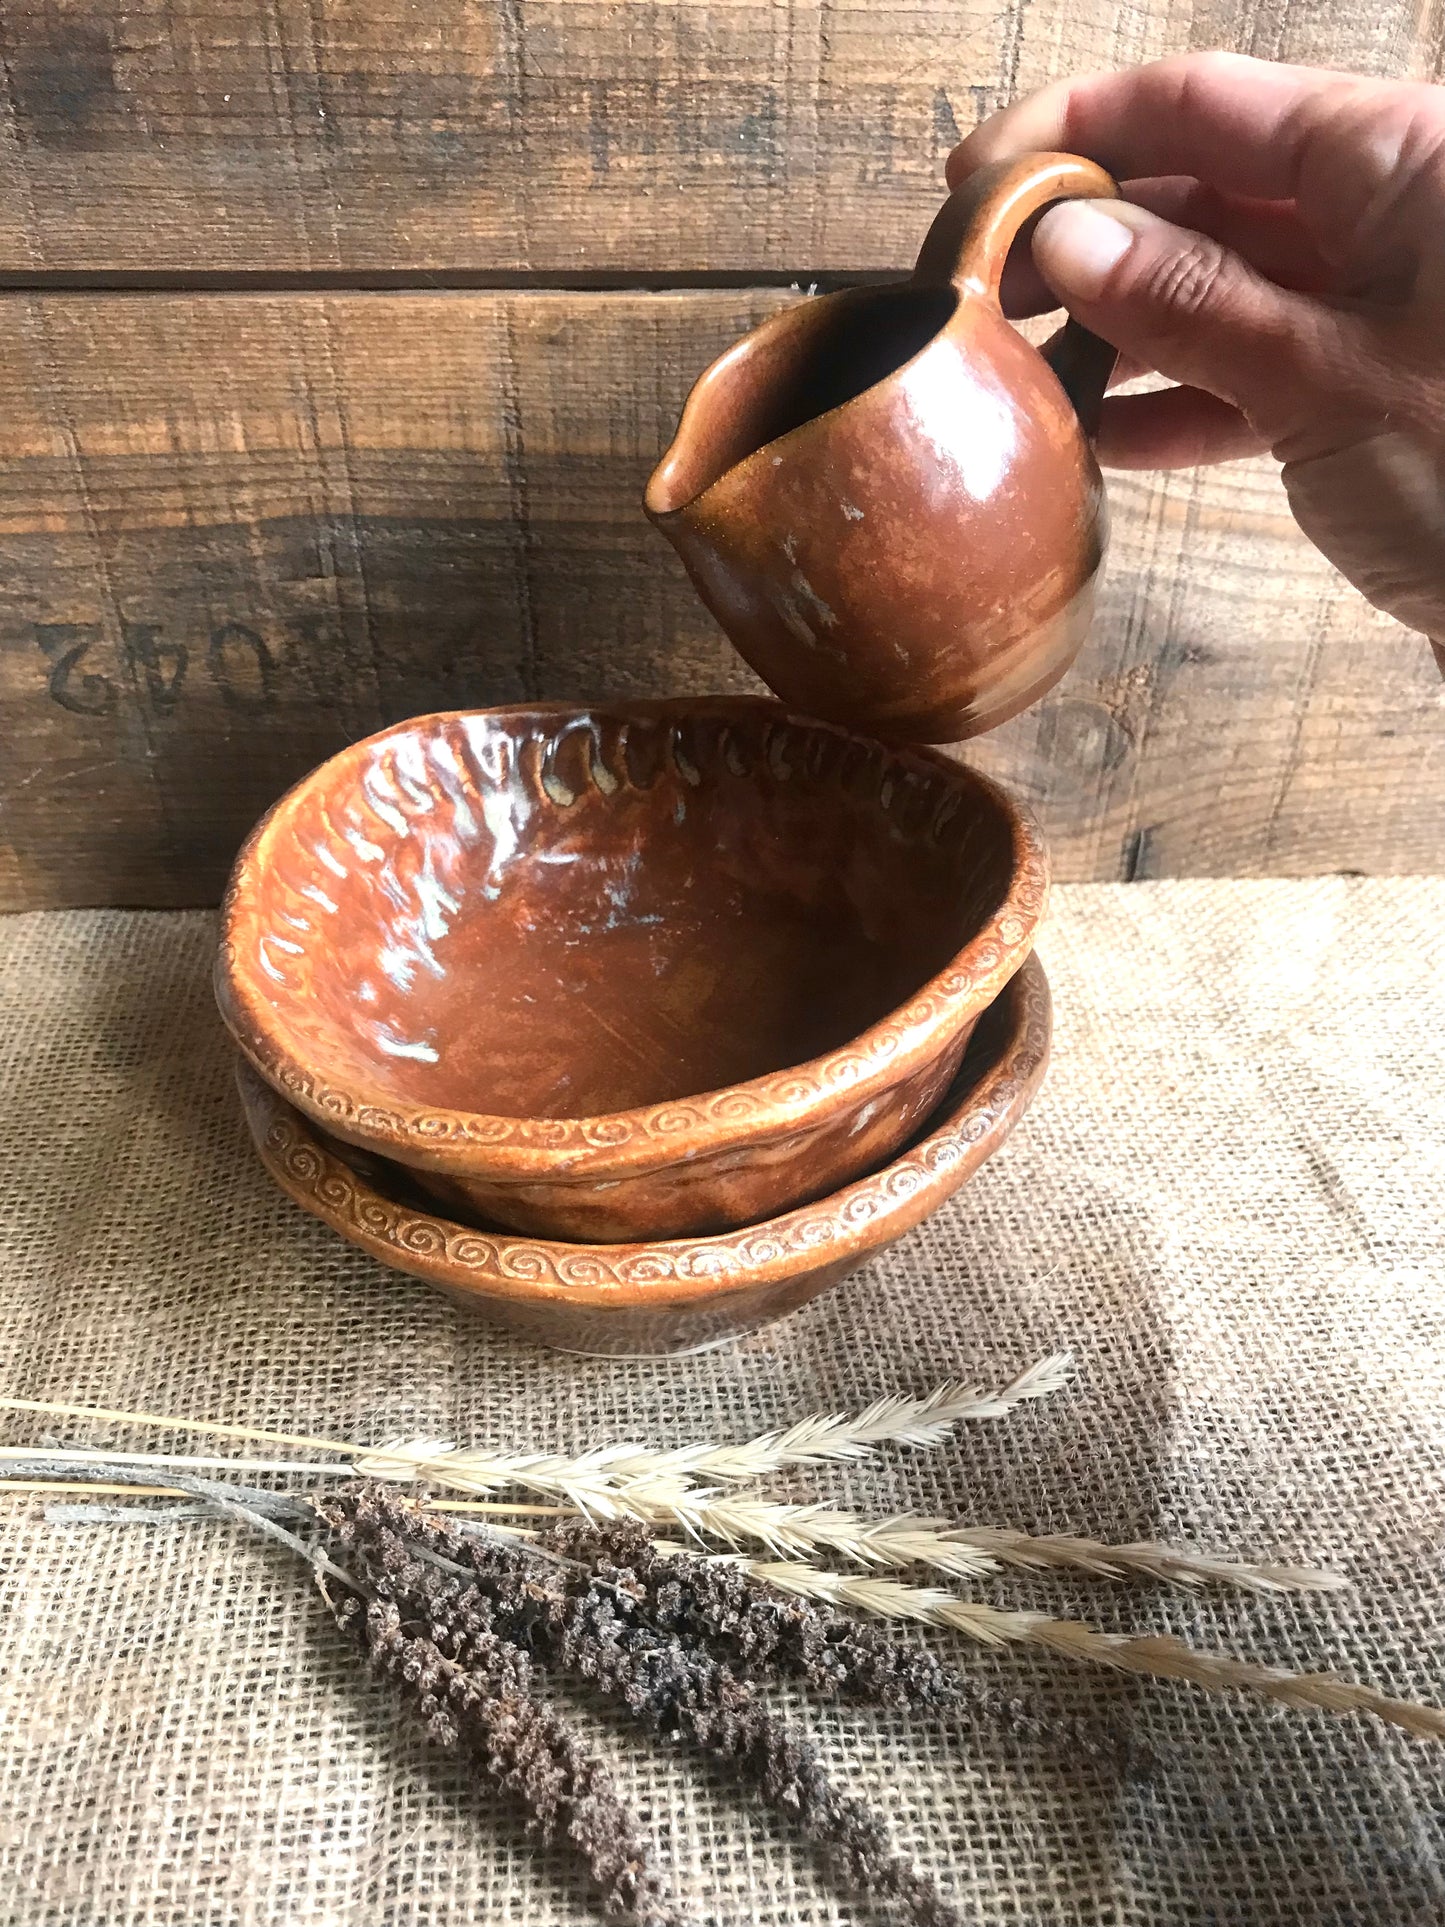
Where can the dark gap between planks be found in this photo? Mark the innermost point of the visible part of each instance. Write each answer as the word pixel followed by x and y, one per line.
pixel 422 281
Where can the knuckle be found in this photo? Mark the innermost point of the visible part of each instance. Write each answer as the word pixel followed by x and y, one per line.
pixel 1209 70
pixel 1185 281
pixel 1213 63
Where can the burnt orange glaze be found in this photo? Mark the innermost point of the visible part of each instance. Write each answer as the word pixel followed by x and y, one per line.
pixel 637 970
pixel 888 498
pixel 647 1299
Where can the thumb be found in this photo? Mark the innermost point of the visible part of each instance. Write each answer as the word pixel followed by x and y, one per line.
pixel 1179 302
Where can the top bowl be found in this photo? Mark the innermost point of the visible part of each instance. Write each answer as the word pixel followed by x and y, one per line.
pixel 640 970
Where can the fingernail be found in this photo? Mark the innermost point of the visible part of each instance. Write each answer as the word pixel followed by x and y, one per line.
pixel 1078 245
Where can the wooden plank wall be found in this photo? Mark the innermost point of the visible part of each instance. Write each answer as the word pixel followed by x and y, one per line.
pixel 338 340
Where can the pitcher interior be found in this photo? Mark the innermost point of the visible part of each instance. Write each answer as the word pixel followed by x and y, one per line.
pixel 803 364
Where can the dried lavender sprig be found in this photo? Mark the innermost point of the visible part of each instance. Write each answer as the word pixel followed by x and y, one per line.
pixel 488 1710
pixel 759 1632
pixel 1160 1656
pixel 679 1692
pixel 186 1462
pixel 86 1514
pixel 763 1634
pixel 586 1625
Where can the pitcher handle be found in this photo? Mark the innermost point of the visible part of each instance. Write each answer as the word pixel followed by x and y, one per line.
pixel 969 242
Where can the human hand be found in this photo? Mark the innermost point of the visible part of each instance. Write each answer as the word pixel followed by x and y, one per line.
pixel 1280 255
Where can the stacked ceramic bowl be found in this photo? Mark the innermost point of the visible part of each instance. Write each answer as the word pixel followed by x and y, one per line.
pixel 634 1026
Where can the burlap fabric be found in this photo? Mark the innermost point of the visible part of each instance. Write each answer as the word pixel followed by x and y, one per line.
pixel 1228 1202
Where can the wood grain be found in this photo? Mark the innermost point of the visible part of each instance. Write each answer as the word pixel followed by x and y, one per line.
pixel 554 136
pixel 239 531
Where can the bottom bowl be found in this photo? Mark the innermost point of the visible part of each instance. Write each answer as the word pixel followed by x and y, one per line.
pixel 680 1295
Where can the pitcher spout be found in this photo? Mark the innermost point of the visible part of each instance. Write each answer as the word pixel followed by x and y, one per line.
pixel 730 412
pixel 798 365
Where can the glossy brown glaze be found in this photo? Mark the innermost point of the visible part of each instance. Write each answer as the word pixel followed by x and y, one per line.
pixel 649 1299
pixel 632 971
pixel 888 498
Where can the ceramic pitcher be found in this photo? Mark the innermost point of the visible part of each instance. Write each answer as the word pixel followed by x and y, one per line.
pixel 888 498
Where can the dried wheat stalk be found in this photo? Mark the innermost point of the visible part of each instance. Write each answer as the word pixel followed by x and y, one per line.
pixel 668 1488
pixel 959 1551
pixel 1179 1565
pixel 592 1480
pixel 962 1552
pixel 168 1422
pixel 897 1419
pixel 671 1488
pixel 586 1481
pixel 1157 1655
pixel 786 1529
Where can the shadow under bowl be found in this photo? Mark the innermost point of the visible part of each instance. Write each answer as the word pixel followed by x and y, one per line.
pixel 632 971
pixel 668 1296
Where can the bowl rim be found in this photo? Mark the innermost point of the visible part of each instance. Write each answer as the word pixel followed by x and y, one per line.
pixel 478 1144
pixel 517 1268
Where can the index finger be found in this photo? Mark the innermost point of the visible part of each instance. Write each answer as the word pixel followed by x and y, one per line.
pixel 1242 125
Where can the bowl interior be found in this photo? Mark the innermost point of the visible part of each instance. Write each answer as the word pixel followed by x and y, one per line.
pixel 532 913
